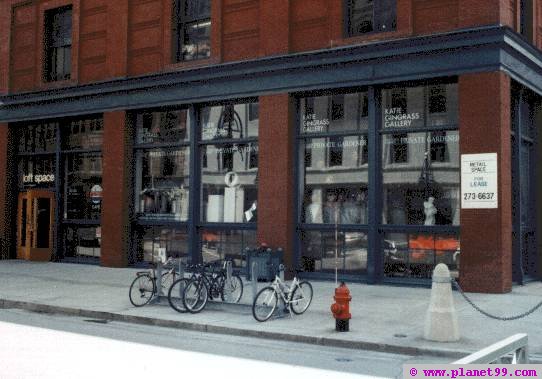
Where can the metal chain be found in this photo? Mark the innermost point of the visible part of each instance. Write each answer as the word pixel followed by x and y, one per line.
pixel 501 318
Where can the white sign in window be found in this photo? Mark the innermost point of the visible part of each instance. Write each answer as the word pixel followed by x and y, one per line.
pixel 479 181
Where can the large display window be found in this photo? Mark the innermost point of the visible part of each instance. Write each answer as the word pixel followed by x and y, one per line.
pixel 161 183
pixel 333 135
pixel 401 161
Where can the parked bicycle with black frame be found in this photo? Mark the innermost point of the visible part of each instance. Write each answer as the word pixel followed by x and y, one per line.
pixel 144 287
pixel 207 282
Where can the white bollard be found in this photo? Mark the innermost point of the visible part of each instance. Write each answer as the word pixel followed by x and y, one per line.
pixel 441 318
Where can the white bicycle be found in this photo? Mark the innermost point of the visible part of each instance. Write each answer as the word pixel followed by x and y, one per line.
pixel 296 297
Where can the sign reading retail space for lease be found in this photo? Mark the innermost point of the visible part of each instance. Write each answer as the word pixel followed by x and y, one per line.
pixel 479 181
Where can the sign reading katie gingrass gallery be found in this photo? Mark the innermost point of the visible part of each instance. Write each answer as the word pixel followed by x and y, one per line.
pixel 479 181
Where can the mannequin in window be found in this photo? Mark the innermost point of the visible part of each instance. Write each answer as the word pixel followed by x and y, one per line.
pixel 361 206
pixel 430 211
pixel 313 212
pixel 350 212
pixel 330 208
pixel 251 215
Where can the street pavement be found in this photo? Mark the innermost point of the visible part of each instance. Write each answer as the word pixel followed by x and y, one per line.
pixel 384 318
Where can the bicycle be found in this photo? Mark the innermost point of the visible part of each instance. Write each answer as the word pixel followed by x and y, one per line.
pixel 215 284
pixel 144 288
pixel 296 297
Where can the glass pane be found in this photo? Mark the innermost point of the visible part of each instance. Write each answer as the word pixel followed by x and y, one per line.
pixel 82 241
pixel 416 255
pixel 163 127
pixel 229 183
pixel 162 184
pixel 421 178
pixel 323 251
pixel 83 134
pixel 336 189
pixel 361 17
pixel 36 172
pixel 83 186
pixel 24 220
pixel 37 138
pixel 343 112
pixel 152 239
pixel 418 107
pixel 43 222
pixel 228 122
pixel 197 40
pixel 218 245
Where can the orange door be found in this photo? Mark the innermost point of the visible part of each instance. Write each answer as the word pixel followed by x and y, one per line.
pixel 35 223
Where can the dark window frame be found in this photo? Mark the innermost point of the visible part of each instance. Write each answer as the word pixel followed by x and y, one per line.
pixel 383 17
pixel 180 23
pixel 57 40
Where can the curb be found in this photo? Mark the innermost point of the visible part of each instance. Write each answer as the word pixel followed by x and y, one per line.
pixel 322 341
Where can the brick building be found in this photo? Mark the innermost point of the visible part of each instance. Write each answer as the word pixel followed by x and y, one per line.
pixel 340 130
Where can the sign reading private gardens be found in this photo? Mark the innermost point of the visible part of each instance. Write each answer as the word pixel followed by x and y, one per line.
pixel 479 181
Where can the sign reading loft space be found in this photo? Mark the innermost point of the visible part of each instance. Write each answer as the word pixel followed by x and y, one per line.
pixel 479 181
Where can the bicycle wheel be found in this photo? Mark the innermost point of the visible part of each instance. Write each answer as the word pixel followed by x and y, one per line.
pixel 195 295
pixel 301 298
pixel 232 290
pixel 264 304
pixel 175 295
pixel 167 280
pixel 142 290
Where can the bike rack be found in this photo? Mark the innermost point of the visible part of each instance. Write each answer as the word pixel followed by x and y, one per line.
pixel 159 295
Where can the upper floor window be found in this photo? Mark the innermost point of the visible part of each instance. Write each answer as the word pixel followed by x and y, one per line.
pixel 58 44
pixel 191 29
pixel 366 16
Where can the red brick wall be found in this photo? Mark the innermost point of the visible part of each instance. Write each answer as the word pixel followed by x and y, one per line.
pixel 276 169
pixel 93 40
pixel 485 126
pixel 24 47
pixel 117 153
pixel 240 29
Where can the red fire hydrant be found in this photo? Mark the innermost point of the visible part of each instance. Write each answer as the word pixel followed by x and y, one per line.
pixel 341 308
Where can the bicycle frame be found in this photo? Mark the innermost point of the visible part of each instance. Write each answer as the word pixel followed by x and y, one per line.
pixel 277 285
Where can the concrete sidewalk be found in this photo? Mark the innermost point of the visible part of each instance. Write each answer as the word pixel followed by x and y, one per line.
pixel 384 318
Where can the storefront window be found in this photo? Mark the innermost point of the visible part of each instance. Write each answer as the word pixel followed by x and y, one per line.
pixel 336 166
pixel 38 138
pixel 162 127
pixel 154 241
pixel 36 171
pixel 325 251
pixel 162 183
pixel 84 134
pixel 417 254
pixel 229 163
pixel 82 241
pixel 421 178
pixel 219 245
pixel 83 186
pixel 419 107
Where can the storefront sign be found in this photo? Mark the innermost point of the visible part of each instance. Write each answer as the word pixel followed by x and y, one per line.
pixel 96 194
pixel 396 118
pixel 479 181
pixel 313 125
pixel 31 178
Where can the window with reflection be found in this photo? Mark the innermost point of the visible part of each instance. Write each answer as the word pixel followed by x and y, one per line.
pixel 366 16
pixel 83 134
pixel 229 163
pixel 336 166
pixel 83 186
pixel 36 171
pixel 191 29
pixel 153 241
pixel 322 251
pixel 162 127
pixel 416 254
pixel 230 244
pixel 82 242
pixel 39 138
pixel 162 183
pixel 420 168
